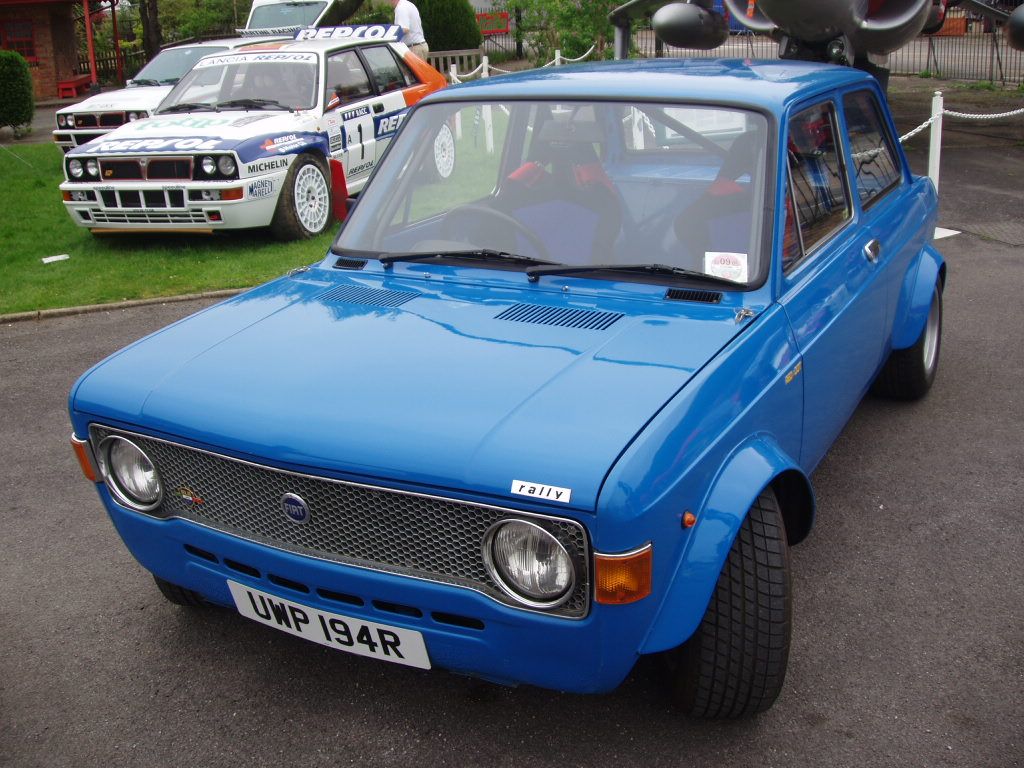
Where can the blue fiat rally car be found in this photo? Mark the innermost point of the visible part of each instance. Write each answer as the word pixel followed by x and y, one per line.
pixel 556 409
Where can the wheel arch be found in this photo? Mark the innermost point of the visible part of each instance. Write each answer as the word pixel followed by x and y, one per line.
pixel 757 464
pixel 916 297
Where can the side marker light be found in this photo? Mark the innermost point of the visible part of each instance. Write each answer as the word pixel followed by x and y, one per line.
pixel 623 579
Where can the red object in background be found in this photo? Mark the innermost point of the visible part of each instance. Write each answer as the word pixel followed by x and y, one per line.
pixel 496 23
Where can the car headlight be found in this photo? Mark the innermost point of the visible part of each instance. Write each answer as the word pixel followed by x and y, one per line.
pixel 226 165
pixel 133 116
pixel 129 474
pixel 92 167
pixel 209 165
pixel 528 563
pixel 71 121
pixel 75 168
pixel 61 121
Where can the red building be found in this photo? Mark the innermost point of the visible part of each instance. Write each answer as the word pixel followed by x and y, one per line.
pixel 43 31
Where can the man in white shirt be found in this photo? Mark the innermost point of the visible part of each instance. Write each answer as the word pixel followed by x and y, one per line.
pixel 407 16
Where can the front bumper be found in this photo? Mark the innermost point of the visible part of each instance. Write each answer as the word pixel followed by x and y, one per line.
pixel 464 631
pixel 173 205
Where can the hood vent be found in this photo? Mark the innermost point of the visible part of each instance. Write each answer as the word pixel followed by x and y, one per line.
pixel 704 297
pixel 560 316
pixel 374 297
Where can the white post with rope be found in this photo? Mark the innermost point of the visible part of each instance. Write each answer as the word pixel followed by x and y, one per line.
pixel 935 143
pixel 485 71
pixel 558 57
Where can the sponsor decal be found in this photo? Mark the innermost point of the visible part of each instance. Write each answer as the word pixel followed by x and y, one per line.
pixel 246 58
pixel 355 171
pixel 541 491
pixel 248 120
pixel 795 372
pixel 264 166
pixel 386 125
pixel 261 188
pixel 147 145
pixel 352 114
pixel 283 143
pixel 189 496
pixel 189 121
pixel 391 32
pixel 336 140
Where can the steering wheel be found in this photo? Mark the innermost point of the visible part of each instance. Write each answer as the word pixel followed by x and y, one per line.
pixel 473 213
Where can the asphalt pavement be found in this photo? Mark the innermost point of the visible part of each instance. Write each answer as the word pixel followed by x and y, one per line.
pixel 908 616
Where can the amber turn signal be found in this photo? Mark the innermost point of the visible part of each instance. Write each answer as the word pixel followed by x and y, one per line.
pixel 622 579
pixel 84 457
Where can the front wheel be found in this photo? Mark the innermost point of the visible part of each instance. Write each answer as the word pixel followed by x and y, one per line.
pixel 908 373
pixel 735 663
pixel 304 206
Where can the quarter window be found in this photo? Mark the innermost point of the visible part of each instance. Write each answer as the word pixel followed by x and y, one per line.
pixel 874 164
pixel 820 199
pixel 384 69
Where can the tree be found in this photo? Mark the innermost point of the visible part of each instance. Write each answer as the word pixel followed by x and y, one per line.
pixel 449 25
pixel 152 37
pixel 17 102
pixel 572 26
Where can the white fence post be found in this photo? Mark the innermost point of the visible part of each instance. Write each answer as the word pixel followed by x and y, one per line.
pixel 558 57
pixel 488 117
pixel 935 145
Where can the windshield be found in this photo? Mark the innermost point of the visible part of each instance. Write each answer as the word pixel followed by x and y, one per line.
pixel 678 187
pixel 275 79
pixel 168 66
pixel 285 15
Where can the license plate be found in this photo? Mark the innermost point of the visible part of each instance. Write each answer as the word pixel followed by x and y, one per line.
pixel 343 633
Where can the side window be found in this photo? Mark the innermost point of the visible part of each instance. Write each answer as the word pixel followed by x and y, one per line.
pixel 346 80
pixel 817 174
pixel 384 69
pixel 874 163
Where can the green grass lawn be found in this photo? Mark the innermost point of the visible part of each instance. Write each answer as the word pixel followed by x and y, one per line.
pixel 34 225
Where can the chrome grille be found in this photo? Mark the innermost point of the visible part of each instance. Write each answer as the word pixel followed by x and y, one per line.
pixel 426 537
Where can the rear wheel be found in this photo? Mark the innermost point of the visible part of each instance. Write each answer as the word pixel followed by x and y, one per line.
pixel 304 205
pixel 735 663
pixel 908 374
pixel 179 595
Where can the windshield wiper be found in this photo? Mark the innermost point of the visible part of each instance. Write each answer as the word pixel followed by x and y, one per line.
pixel 480 254
pixel 654 269
pixel 254 104
pixel 188 106
pixel 144 81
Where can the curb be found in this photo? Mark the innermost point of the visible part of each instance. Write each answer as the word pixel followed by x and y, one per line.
pixel 46 314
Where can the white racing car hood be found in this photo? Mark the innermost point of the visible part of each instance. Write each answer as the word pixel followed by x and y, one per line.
pixel 251 134
pixel 145 98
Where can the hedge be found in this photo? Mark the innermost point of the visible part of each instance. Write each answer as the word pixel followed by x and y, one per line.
pixel 17 102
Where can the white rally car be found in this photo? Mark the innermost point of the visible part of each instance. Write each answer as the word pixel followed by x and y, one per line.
pixel 97 115
pixel 274 134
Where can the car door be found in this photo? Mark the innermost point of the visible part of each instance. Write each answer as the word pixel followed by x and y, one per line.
pixel 348 113
pixel 390 77
pixel 832 293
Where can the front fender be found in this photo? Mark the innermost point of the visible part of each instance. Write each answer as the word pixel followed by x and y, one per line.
pixel 916 297
pixel 750 468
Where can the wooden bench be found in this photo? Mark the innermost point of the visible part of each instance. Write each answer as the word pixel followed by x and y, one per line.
pixel 465 61
pixel 69 87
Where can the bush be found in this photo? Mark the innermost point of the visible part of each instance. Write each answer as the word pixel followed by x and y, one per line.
pixel 571 26
pixel 374 12
pixel 16 98
pixel 449 25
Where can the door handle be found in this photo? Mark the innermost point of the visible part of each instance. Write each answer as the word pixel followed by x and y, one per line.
pixel 872 251
pixel 378 107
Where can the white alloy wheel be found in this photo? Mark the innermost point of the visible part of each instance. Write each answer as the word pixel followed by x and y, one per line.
pixel 312 198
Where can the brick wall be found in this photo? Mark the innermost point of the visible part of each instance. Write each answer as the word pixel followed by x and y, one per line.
pixel 55 44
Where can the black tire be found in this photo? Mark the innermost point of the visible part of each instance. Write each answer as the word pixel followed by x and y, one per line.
pixel 908 374
pixel 179 595
pixel 304 205
pixel 735 663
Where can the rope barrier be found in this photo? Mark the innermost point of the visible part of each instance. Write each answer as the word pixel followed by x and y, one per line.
pixel 457 77
pixel 960 115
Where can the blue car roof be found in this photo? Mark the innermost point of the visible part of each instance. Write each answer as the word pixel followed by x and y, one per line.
pixel 768 85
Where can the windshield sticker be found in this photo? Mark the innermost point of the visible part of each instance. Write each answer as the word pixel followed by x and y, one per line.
pixel 364 32
pixel 190 121
pixel 248 120
pixel 261 188
pixel 726 265
pixel 541 491
pixel 270 57
pixel 146 145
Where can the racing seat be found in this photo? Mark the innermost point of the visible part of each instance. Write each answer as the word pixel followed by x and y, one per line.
pixel 719 220
pixel 564 195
